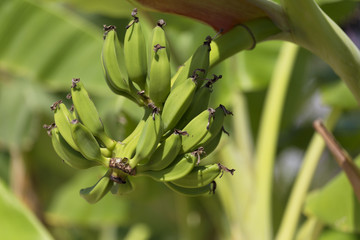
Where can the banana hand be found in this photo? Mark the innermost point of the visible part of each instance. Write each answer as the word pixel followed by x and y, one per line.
pixel 88 114
pixel 164 154
pixel 178 102
pixel 148 141
pixel 98 191
pixel 200 176
pixel 179 168
pixel 87 143
pixel 70 156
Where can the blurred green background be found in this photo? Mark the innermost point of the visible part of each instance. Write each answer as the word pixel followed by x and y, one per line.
pixel 44 44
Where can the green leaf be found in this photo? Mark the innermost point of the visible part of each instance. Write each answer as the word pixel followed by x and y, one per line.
pixel 16 221
pixel 338 95
pixel 331 234
pixel 112 8
pixel 21 102
pixel 336 204
pixel 49 45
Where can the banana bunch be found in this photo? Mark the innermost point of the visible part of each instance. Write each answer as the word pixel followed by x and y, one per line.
pixel 177 130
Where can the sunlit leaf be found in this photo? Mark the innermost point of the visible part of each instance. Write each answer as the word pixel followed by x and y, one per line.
pixel 49 45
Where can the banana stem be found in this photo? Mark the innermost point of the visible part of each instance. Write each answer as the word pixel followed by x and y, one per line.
pixel 293 209
pixel 313 29
pixel 241 37
pixel 107 141
pixel 267 139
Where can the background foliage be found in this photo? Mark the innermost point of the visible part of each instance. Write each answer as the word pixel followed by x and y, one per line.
pixel 44 44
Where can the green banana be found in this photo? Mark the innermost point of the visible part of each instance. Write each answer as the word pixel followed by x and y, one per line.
pixel 199 60
pixel 123 187
pixel 211 144
pixel 63 117
pixel 179 168
pixel 99 190
pixel 159 81
pixel 164 154
pixel 200 176
pixel 148 141
pixel 196 130
pixel 135 52
pixel 88 113
pixel 87 143
pixel 178 102
pixel 70 156
pixel 124 150
pixel 206 190
pixel 199 103
pixel 113 62
pixel 216 126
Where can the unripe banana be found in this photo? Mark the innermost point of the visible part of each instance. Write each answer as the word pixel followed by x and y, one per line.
pixel 196 130
pixel 179 168
pixel 178 102
pixel 199 60
pixel 135 52
pixel 70 156
pixel 63 117
pixel 99 190
pixel 87 143
pixel 216 126
pixel 123 187
pixel 148 141
pixel 113 62
pixel 164 154
pixel 199 103
pixel 88 113
pixel 211 144
pixel 206 190
pixel 159 81
pixel 200 176
pixel 124 150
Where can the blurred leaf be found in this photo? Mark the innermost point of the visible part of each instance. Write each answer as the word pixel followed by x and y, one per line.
pixel 113 8
pixel 21 102
pixel 331 234
pixel 138 232
pixel 69 208
pixel 17 222
pixel 50 45
pixel 338 95
pixel 336 204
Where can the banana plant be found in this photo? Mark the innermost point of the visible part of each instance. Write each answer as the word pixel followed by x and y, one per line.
pixel 305 24
pixel 243 25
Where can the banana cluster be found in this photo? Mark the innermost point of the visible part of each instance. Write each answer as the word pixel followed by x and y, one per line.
pixel 177 130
